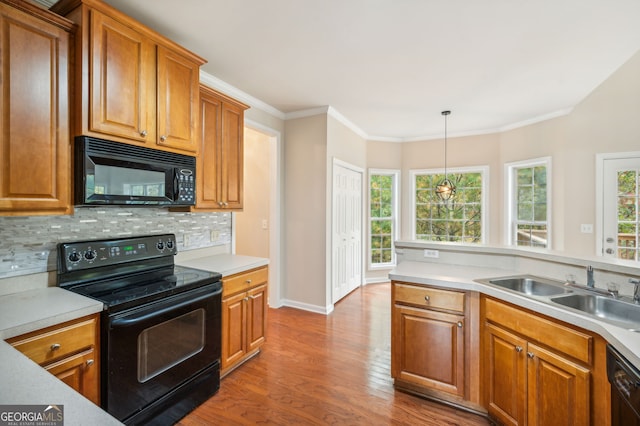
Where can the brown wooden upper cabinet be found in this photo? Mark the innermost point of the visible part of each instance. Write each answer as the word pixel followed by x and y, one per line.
pixel 219 166
pixel 35 147
pixel 134 86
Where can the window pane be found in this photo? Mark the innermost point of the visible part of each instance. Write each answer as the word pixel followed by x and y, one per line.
pixel 382 210
pixel 455 220
pixel 530 206
pixel 627 182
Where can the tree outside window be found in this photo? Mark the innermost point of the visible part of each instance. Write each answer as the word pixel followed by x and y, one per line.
pixel 457 220
pixel 628 218
pixel 383 213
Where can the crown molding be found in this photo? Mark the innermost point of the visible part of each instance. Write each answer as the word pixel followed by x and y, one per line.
pixel 224 87
pixel 217 84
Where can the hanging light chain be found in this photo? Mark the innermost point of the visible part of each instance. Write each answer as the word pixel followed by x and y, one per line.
pixel 445 189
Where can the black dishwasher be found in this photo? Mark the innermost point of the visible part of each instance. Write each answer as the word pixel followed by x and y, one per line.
pixel 625 389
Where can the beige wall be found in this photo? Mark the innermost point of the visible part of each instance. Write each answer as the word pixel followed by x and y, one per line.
pixel 608 120
pixel 251 238
pixel 305 154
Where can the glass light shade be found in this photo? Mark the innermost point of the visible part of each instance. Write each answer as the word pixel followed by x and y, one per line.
pixel 446 190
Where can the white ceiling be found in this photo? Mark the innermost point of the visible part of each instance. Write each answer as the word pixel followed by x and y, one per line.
pixel 391 66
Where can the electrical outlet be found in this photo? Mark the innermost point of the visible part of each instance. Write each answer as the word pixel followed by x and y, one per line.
pixel 214 235
pixel 265 224
pixel 186 241
pixel 586 228
pixel 431 253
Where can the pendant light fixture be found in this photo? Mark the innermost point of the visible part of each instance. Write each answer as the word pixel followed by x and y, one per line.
pixel 445 189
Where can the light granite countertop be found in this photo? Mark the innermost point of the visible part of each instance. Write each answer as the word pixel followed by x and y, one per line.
pixel 226 264
pixel 23 381
pixel 463 278
pixel 26 383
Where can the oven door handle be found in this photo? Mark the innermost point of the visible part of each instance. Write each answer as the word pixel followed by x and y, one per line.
pixel 145 314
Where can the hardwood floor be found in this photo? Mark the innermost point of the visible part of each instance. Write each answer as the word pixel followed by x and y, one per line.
pixel 324 370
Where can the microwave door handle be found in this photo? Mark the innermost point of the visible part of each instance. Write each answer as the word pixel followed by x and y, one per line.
pixel 176 187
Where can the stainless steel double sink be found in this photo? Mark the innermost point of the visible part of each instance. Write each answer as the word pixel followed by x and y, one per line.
pixel 619 312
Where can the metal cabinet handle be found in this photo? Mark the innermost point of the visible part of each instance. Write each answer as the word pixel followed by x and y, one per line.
pixel 55 346
pixel 163 138
pixel 90 362
pixel 143 133
pixel 246 299
pixel 530 355
pixel 518 349
pixel 427 298
pixel 459 324
pixel 248 281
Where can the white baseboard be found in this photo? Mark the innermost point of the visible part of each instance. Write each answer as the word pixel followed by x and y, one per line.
pixel 376 280
pixel 325 310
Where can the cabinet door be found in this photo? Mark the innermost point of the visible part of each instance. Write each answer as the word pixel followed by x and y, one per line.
pixel 80 372
pixel 256 317
pixel 122 81
pixel 234 338
pixel 428 349
pixel 178 87
pixel 558 389
pixel 232 156
pixel 208 166
pixel 34 116
pixel 505 381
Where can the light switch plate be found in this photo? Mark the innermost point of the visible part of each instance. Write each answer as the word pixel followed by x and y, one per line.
pixel 431 253
pixel 586 228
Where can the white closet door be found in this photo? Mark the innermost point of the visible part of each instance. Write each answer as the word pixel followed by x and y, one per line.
pixel 346 230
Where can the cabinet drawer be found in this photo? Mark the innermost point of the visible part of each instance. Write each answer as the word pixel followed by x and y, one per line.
pixel 55 342
pixel 244 281
pixel 557 336
pixel 428 297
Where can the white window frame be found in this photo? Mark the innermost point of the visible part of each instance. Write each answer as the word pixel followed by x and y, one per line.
pixel 395 221
pixel 483 170
pixel 511 198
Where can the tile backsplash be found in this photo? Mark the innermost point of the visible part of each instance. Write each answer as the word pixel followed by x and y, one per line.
pixel 28 244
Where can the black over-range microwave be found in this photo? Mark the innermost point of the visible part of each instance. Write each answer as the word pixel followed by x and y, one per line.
pixel 115 173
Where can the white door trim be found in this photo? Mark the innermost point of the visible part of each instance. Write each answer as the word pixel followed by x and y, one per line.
pixel 361 172
pixel 276 254
pixel 600 159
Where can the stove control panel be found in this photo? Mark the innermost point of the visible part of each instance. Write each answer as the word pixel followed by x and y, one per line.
pixel 92 254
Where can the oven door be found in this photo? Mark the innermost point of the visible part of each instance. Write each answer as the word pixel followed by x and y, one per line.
pixel 154 349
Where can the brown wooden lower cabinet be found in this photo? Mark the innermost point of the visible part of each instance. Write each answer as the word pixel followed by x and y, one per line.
pixel 432 343
pixel 70 351
pixel 488 356
pixel 244 314
pixel 538 371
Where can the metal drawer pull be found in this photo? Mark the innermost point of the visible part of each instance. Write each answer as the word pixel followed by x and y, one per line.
pixel 163 138
pixel 55 346
pixel 427 298
pixel 530 355
pixel 459 324
pixel 143 133
pixel 89 362
pixel 248 281
pixel 518 349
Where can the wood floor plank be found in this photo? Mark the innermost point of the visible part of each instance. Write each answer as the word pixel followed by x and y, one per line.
pixel 325 370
